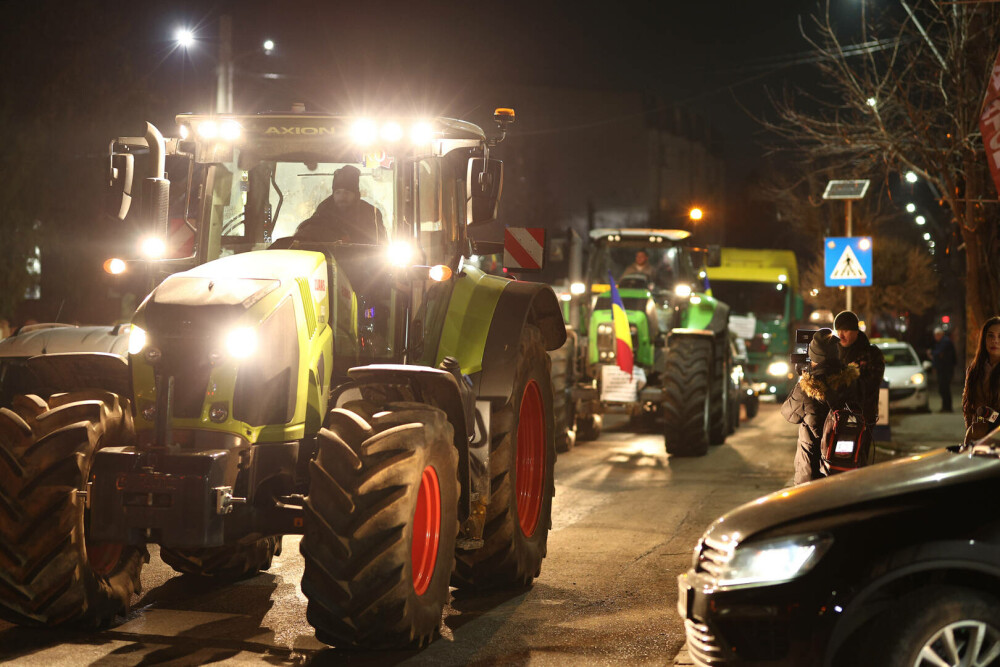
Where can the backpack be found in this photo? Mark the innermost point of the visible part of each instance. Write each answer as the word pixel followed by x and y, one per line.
pixel 846 443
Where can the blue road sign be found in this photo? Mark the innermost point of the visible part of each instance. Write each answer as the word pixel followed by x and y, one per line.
pixel 848 261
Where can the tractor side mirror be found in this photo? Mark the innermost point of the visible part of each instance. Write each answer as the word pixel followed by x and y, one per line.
pixel 714 256
pixel 484 183
pixel 121 168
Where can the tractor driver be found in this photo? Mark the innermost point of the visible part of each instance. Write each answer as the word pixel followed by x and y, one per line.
pixel 344 216
pixel 640 265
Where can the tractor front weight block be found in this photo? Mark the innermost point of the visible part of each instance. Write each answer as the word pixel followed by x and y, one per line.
pixel 181 503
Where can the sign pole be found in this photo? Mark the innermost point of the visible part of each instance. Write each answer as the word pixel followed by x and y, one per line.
pixel 849 221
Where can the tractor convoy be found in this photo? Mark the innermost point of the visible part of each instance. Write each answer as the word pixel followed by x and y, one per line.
pixel 388 402
pixel 685 380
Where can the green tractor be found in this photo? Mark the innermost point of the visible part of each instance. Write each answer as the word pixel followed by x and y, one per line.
pixel 387 402
pixel 684 369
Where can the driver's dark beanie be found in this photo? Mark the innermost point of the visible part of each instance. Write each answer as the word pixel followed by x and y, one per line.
pixel 346 178
pixel 846 321
pixel 823 347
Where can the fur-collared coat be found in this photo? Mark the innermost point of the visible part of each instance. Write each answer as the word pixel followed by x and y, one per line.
pixel 818 390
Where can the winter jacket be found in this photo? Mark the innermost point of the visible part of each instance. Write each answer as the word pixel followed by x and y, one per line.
pixel 871 364
pixel 817 390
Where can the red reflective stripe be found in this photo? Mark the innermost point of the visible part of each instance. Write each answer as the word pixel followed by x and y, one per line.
pixel 538 233
pixel 518 253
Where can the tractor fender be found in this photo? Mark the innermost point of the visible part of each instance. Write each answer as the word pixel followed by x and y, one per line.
pixel 709 314
pixel 48 374
pixel 437 388
pixel 521 303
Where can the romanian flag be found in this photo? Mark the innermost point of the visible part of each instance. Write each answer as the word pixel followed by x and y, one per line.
pixel 623 337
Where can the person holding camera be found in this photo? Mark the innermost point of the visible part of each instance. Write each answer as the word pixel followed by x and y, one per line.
pixel 827 384
pixel 855 348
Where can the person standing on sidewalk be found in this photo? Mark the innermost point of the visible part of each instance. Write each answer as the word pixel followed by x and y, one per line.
pixel 981 396
pixel 855 348
pixel 827 384
pixel 943 358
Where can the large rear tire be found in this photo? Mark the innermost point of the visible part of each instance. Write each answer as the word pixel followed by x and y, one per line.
pixel 686 410
pixel 229 562
pixel 380 526
pixel 522 455
pixel 563 409
pixel 50 574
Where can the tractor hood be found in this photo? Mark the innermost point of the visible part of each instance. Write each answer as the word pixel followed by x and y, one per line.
pixel 867 489
pixel 63 338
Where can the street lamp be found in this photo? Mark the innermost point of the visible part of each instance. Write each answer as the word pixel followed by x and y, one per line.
pixel 911 177
pixel 911 207
pixel 920 219
pixel 184 37
pixel 696 214
pixel 268 46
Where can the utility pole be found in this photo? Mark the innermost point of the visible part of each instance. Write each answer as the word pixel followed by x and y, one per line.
pixel 849 222
pixel 224 84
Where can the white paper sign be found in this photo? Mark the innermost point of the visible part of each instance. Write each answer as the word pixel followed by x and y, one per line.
pixel 617 387
pixel 743 326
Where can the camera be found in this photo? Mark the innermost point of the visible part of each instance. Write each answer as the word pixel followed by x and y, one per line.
pixel 800 351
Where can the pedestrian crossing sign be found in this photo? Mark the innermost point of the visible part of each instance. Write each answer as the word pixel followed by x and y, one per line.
pixel 848 261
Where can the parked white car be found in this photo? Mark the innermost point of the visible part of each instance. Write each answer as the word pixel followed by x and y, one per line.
pixel 907 376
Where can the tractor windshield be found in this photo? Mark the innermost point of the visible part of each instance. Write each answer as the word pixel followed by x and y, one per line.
pixel 256 201
pixel 762 300
pixel 636 265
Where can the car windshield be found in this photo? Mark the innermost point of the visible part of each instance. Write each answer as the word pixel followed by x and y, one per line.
pixel 900 356
pixel 762 300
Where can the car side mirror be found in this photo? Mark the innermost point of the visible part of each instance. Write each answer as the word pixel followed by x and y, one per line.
pixel 121 168
pixel 927 365
pixel 484 184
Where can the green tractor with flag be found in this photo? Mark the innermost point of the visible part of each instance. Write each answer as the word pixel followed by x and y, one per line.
pixel 653 344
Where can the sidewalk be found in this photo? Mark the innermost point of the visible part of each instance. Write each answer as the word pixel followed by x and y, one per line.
pixel 913 432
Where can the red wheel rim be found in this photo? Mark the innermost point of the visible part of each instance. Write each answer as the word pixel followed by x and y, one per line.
pixel 530 458
pixel 104 557
pixel 426 530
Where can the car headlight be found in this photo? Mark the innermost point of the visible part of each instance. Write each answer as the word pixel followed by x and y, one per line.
pixel 917 378
pixel 136 340
pixel 683 290
pixel 242 342
pixel 773 561
pixel 778 368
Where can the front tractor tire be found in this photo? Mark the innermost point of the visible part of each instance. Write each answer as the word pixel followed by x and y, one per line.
pixel 226 563
pixel 380 526
pixel 686 401
pixel 522 455
pixel 50 573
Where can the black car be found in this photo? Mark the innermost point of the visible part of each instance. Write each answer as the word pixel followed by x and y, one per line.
pixel 895 564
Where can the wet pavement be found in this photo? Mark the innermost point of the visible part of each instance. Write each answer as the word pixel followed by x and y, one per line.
pixel 625 521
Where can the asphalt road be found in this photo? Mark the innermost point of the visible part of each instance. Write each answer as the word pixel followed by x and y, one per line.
pixel 625 521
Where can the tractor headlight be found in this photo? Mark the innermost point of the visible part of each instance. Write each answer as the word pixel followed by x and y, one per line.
pixel 605 329
pixel 153 247
pixel 576 289
pixel 778 368
pixel 242 343
pixel 772 561
pixel 400 253
pixel 683 290
pixel 136 340
pixel 917 378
